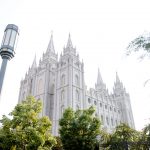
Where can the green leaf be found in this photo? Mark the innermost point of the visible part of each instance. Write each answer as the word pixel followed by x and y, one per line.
pixel 26 130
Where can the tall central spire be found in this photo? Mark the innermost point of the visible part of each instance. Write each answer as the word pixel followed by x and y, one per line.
pixel 50 47
pixel 69 43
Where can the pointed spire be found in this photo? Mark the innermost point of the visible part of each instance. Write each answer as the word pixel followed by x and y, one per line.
pixel 69 43
pixel 100 84
pixel 34 63
pixel 117 78
pixel 99 78
pixel 118 86
pixel 50 47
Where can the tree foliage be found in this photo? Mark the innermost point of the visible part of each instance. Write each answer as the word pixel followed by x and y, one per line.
pixel 79 130
pixel 146 132
pixel 58 146
pixel 104 138
pixel 144 140
pixel 26 130
pixel 122 137
pixel 140 43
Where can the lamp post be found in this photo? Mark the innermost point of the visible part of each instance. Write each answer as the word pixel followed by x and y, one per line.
pixel 7 49
pixel 98 137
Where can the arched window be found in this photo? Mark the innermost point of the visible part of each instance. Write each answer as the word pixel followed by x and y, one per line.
pixel 62 95
pixel 63 79
pixel 76 80
pixel 102 119
pixel 116 122
pixel 107 120
pixel 77 95
pixel 110 108
pixel 101 105
pixel 89 100
pixel 112 122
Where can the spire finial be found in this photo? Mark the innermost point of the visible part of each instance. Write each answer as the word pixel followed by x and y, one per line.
pixel 50 47
pixel 69 43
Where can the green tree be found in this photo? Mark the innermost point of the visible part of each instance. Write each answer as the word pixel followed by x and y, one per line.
pixel 144 140
pixel 26 130
pixel 58 146
pixel 122 138
pixel 104 138
pixel 79 130
pixel 142 42
pixel 146 132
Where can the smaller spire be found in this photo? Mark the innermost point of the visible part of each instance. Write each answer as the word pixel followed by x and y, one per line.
pixel 99 78
pixel 34 62
pixel 69 43
pixel 117 78
pixel 118 85
pixel 50 47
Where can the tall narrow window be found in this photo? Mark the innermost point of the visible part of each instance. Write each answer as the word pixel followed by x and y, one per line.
pixel 102 119
pixel 110 108
pixel 76 80
pixel 116 122
pixel 63 79
pixel 100 104
pixel 62 95
pixel 107 120
pixel 77 95
pixel 95 102
pixel 112 122
pixel 31 82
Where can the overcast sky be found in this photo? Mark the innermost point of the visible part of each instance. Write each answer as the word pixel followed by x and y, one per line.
pixel 100 30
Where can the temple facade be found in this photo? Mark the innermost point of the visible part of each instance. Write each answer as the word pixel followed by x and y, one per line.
pixel 60 84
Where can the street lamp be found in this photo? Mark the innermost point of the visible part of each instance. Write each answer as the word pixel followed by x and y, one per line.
pixel 98 137
pixel 7 49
